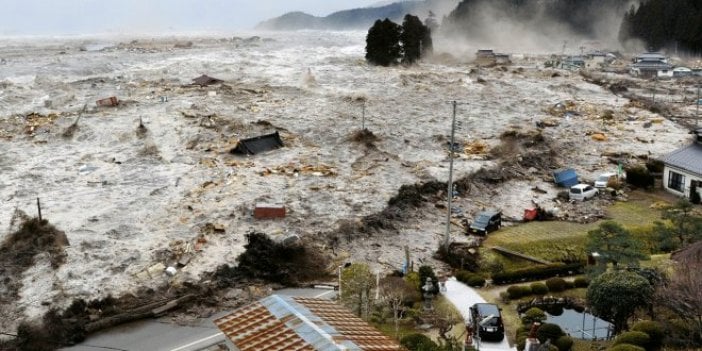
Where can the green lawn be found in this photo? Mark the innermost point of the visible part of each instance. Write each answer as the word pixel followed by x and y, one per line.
pixel 557 240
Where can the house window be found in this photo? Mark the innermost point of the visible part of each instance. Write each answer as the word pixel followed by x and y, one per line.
pixel 676 181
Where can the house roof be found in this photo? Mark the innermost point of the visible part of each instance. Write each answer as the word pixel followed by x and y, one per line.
pixel 205 80
pixel 652 65
pixel 258 144
pixel 306 324
pixel 688 158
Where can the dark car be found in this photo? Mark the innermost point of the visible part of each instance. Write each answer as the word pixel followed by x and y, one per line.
pixel 486 322
pixel 486 222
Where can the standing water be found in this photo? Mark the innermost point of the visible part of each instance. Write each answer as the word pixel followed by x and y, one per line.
pixel 580 325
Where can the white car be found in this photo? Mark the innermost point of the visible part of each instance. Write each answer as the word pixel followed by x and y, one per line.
pixel 582 192
pixel 605 180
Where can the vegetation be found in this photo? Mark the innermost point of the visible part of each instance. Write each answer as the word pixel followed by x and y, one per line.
pixel 633 338
pixel 626 347
pixel 549 331
pixel 357 281
pixel 556 284
pixel 533 315
pixel 275 262
pixel 471 279
pixel 615 245
pixel 640 177
pixel 662 23
pixel 536 273
pixel 388 43
pixel 383 43
pixel 539 288
pixel 428 272
pixel 616 295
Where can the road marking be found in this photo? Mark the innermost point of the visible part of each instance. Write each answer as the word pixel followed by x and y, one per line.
pixel 184 347
pixel 324 293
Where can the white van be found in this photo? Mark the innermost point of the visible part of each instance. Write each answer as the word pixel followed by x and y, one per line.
pixel 582 192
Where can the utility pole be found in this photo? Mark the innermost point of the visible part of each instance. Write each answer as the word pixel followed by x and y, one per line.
pixel 447 237
pixel 39 209
pixel 697 113
pixel 363 116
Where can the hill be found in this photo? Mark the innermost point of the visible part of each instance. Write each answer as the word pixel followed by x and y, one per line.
pixel 360 18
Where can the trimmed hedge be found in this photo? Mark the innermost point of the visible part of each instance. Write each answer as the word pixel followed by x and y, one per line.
pixel 532 315
pixel 517 291
pixel 581 282
pixel 549 331
pixel 626 347
pixel 556 284
pixel 537 273
pixel 539 288
pixel 418 342
pixel 564 343
pixel 470 279
pixel 633 338
pixel 640 177
pixel 654 330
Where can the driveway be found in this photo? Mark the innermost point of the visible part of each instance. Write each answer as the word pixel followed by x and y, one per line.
pixel 462 296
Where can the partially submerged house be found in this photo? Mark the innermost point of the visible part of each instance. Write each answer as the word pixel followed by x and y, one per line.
pixel 205 80
pixel 572 62
pixel 294 323
pixel 651 65
pixel 682 174
pixel 259 144
pixel 679 72
pixel 491 58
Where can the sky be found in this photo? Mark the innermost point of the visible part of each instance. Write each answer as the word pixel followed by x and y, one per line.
pixel 70 17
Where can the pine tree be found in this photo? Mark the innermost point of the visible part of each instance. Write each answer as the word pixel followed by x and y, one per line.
pixel 413 35
pixel 383 43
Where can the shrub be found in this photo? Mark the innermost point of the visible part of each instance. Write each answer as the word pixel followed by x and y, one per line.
pixel 532 315
pixel 626 347
pixel 470 279
pixel 640 177
pixel 517 291
pixel 539 288
pixel 536 273
pixel 564 343
pixel 655 332
pixel 428 272
pixel 521 342
pixel 581 282
pixel 549 331
pixel 556 284
pixel 504 297
pixel 418 342
pixel 633 338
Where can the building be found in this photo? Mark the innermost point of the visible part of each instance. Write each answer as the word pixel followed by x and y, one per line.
pixel 679 72
pixel 682 174
pixel 651 65
pixel 306 324
pixel 572 62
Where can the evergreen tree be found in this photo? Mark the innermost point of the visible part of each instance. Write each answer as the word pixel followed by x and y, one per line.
pixel 614 244
pixel 383 43
pixel 413 33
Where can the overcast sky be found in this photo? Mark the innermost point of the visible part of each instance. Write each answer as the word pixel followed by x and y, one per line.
pixel 19 17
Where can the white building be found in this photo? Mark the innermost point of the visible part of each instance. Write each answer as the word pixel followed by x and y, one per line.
pixel 683 168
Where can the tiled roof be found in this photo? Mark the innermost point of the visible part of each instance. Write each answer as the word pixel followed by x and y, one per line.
pixel 688 158
pixel 305 324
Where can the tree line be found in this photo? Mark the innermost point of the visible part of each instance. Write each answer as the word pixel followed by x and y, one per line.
pixel 665 23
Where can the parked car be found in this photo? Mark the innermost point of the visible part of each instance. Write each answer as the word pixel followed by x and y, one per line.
pixel 582 192
pixel 607 180
pixel 486 322
pixel 486 222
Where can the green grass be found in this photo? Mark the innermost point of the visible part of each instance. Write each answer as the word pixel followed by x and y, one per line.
pixel 558 240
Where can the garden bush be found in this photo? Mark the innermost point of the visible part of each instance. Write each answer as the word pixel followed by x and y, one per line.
pixel 654 330
pixel 581 282
pixel 636 338
pixel 518 291
pixel 626 347
pixel 532 315
pixel 417 342
pixel 539 288
pixel 564 343
pixel 569 284
pixel 470 278
pixel 556 284
pixel 536 273
pixel 549 331
pixel 640 177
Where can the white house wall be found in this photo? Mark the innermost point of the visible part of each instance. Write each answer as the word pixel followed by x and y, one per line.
pixel 689 177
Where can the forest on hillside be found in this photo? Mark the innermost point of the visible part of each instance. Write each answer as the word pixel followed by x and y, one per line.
pixel 671 24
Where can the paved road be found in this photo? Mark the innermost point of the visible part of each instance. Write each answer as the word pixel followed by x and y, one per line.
pixel 162 335
pixel 463 297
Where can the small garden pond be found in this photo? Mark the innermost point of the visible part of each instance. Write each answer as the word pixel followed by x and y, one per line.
pixel 579 325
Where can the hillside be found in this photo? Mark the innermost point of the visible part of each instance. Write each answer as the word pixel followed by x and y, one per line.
pixel 360 18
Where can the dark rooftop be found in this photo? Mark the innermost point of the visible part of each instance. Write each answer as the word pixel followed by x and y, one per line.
pixel 688 158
